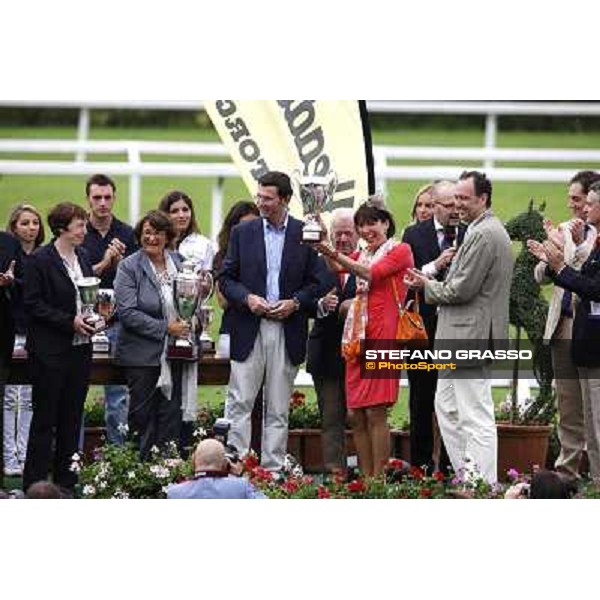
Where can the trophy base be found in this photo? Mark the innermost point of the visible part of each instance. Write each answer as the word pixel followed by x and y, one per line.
pixel 312 235
pixel 100 344
pixel 182 352
pixel 207 346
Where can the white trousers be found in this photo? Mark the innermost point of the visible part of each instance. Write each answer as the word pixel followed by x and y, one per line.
pixel 465 412
pixel 269 361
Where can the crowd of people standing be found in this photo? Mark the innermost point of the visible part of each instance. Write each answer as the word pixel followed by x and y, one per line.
pixel 454 262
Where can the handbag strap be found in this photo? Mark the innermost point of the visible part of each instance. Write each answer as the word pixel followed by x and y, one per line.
pixel 397 298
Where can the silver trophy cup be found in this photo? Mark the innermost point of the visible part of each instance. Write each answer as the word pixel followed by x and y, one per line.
pixel 314 191
pixel 88 291
pixel 186 295
pixel 206 312
pixel 105 307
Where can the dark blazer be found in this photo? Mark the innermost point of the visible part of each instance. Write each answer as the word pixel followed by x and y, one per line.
pixel 423 241
pixel 244 272
pixel 585 345
pixel 9 248
pixel 324 341
pixel 50 302
pixel 141 312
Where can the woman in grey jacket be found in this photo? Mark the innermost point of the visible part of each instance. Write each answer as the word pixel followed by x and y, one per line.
pixel 144 298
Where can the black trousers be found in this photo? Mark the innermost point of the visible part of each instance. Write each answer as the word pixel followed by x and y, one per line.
pixel 153 419
pixel 59 388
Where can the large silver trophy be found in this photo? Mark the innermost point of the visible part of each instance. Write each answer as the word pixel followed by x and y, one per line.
pixel 88 291
pixel 189 289
pixel 205 312
pixel 105 307
pixel 315 191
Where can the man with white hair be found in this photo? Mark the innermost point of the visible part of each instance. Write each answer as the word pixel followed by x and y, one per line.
pixel 324 360
pixel 212 480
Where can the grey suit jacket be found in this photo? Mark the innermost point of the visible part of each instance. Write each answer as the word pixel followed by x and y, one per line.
pixel 141 312
pixel 474 296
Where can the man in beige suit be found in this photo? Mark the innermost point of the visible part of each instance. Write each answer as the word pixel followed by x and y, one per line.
pixel 578 243
pixel 473 305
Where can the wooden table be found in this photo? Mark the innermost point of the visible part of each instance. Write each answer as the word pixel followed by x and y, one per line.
pixel 211 370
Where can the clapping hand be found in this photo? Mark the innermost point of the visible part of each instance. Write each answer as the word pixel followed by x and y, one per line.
pixel 537 249
pixel 555 256
pixel 8 277
pixel 577 228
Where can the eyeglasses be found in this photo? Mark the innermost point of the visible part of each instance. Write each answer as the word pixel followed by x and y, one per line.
pixel 262 198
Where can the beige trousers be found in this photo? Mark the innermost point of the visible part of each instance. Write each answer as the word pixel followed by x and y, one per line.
pixel 570 403
pixel 269 361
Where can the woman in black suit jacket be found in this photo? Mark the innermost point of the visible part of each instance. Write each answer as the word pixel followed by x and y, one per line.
pixel 58 344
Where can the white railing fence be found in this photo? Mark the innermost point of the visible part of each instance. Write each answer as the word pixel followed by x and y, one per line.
pixel 137 162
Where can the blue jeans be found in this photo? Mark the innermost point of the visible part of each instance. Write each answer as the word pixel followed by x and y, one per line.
pixel 116 400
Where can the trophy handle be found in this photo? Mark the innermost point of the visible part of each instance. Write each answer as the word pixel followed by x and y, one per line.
pixel 203 276
pixel 332 184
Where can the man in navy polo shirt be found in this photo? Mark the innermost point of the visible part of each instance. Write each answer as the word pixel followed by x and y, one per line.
pixel 107 241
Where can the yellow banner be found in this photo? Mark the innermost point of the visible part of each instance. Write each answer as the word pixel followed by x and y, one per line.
pixel 313 136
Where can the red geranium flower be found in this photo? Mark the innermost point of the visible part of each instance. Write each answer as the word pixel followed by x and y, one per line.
pixel 357 486
pixel 297 399
pixel 438 476
pixel 425 493
pixel 323 492
pixel 396 463
pixel 416 473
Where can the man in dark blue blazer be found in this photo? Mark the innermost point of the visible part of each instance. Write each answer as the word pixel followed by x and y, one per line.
pixel 270 280
pixel 324 360
pixel 433 243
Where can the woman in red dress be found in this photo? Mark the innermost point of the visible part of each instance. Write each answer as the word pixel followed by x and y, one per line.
pixel 373 314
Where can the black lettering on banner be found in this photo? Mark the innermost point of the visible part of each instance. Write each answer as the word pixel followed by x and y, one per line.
pixel 226 107
pixel 237 128
pixel 310 143
pixel 240 134
pixel 249 150
pixel 342 186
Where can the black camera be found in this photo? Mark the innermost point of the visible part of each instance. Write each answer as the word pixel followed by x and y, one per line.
pixel 220 430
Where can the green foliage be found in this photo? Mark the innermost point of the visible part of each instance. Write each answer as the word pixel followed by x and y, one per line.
pixel 117 472
pixel 528 310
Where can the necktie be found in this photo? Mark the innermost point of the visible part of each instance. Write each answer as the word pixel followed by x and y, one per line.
pixel 448 239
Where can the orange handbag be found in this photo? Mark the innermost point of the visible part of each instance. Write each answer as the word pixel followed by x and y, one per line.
pixel 411 328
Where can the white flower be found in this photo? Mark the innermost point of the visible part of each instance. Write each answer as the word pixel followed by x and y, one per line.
pixel 75 467
pixel 154 450
pixel 120 495
pixel 102 485
pixel 159 472
pixel 131 475
pixel 164 489
pixel 89 490
pixel 76 457
pixel 173 462
pixel 123 428
pixel 200 433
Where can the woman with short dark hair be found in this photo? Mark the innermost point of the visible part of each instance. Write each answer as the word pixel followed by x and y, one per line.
pixel 161 392
pixel 59 348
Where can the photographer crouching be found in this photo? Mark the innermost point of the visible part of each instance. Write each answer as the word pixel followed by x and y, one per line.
pixel 216 472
